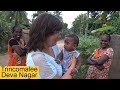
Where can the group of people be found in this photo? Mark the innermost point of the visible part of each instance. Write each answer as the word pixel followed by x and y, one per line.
pixel 42 50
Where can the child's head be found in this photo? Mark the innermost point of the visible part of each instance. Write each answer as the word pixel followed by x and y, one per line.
pixel 71 42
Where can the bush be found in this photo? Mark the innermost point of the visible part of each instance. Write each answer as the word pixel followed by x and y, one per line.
pixel 87 45
pixel 3 46
pixel 82 72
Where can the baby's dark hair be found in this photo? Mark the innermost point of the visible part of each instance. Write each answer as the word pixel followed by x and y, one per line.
pixel 75 37
pixel 14 28
pixel 107 35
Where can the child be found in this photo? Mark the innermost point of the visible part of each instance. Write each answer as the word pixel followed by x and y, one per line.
pixel 70 43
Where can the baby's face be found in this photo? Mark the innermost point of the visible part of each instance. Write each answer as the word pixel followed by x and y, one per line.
pixel 69 44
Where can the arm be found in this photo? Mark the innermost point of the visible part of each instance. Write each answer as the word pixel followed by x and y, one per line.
pixel 91 61
pixel 78 64
pixel 15 46
pixel 59 57
pixel 46 69
pixel 68 75
pixel 17 49
pixel 106 56
pixel 101 60
pixel 77 67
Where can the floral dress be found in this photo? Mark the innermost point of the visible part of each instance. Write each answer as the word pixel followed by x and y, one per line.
pixel 93 72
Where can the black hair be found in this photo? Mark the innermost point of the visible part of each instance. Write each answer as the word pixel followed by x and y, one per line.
pixel 75 37
pixel 108 36
pixel 14 28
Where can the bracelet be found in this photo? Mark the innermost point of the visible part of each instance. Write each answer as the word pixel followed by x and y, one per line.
pixel 76 70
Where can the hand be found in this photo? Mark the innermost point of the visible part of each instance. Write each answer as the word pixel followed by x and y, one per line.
pixel 57 61
pixel 74 72
pixel 100 67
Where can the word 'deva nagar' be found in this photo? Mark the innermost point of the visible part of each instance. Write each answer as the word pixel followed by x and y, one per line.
pixel 19 72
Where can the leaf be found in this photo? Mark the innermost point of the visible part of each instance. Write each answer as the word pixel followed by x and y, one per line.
pixel 103 29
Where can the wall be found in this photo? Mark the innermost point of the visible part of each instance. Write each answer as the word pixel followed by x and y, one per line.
pixel 114 72
pixel 26 35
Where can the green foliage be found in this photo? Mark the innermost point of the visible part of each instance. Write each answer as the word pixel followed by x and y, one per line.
pixel 7 20
pixel 79 25
pixel 3 47
pixel 87 45
pixel 83 70
pixel 102 30
pixel 116 24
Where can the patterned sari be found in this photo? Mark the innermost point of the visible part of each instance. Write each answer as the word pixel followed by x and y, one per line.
pixel 93 72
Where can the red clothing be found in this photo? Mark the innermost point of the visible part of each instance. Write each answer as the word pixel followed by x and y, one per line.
pixel 95 73
pixel 14 58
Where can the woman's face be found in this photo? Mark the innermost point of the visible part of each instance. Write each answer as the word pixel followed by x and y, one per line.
pixel 104 41
pixel 17 33
pixel 52 39
pixel 69 44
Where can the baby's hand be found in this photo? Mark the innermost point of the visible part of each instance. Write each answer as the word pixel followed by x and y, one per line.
pixel 57 61
pixel 74 72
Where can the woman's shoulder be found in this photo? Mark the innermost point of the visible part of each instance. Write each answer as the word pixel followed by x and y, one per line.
pixel 110 48
pixel 12 39
pixel 37 54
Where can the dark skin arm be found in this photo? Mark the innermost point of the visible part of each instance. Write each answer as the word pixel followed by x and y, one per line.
pixel 17 49
pixel 59 57
pixel 90 61
pixel 98 62
pixel 77 67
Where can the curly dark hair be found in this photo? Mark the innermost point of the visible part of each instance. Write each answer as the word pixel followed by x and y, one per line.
pixel 14 28
pixel 44 25
pixel 107 35
pixel 75 38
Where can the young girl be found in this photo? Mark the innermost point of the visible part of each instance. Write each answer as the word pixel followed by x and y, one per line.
pixel 70 44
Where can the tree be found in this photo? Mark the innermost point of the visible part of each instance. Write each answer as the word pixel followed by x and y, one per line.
pixel 58 15
pixel 37 13
pixel 79 25
pixel 17 17
pixel 9 19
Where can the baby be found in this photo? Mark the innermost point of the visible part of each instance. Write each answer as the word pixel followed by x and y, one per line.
pixel 70 43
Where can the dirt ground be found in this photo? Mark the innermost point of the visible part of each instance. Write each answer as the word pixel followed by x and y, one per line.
pixel 4 58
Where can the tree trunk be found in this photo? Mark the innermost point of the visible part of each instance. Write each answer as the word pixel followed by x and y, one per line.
pixel 86 29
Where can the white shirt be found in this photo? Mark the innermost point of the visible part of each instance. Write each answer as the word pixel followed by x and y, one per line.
pixel 49 69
